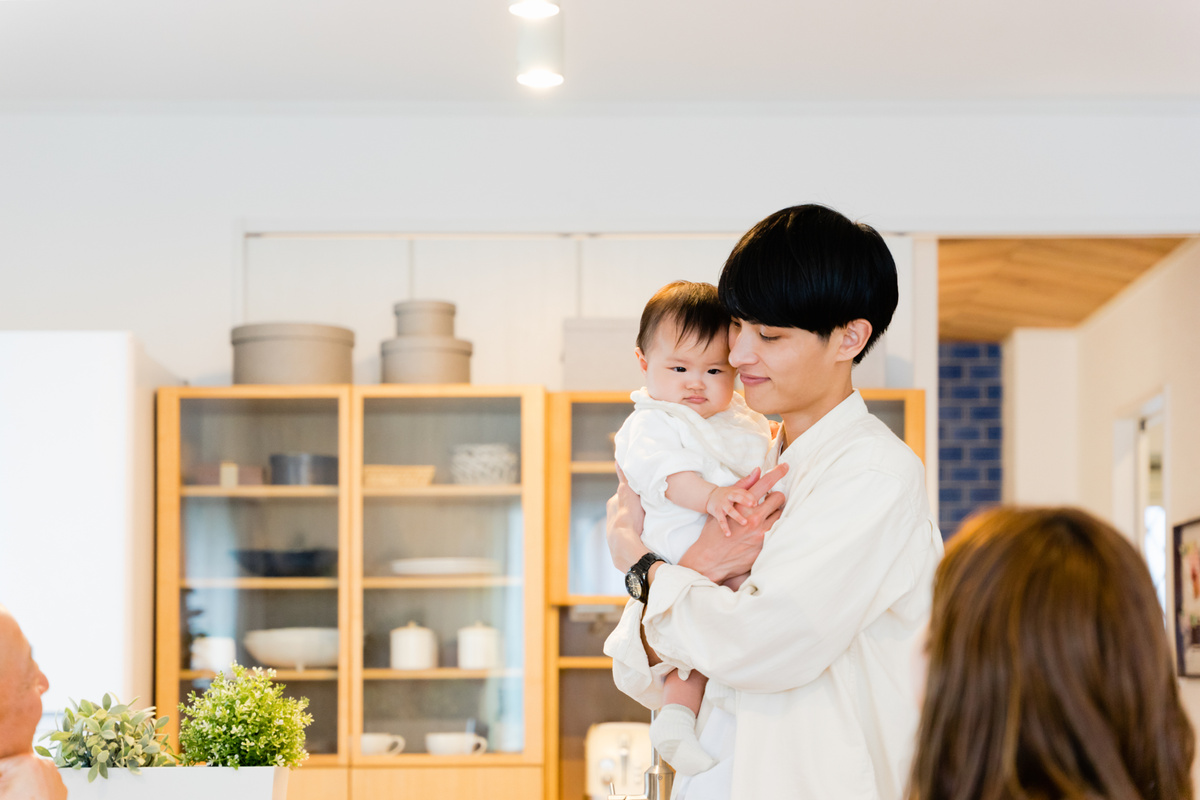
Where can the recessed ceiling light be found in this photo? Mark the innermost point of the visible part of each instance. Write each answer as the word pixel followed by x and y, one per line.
pixel 534 9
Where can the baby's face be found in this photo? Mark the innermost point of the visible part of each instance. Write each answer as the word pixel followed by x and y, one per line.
pixel 690 373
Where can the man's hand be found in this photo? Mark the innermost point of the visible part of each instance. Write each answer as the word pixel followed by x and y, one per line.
pixel 719 557
pixel 625 518
pixel 30 777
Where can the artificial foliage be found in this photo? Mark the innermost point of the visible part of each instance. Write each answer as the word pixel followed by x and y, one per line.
pixel 243 720
pixel 109 735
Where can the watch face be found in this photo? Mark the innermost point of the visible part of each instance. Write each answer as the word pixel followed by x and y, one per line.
pixel 633 585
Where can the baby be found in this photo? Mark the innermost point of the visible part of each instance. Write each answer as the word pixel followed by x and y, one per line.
pixel 689 437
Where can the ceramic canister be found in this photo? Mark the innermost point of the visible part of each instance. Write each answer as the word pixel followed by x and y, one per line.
pixel 413 647
pixel 478 647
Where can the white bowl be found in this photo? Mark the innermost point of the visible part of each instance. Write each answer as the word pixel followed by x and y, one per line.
pixel 294 648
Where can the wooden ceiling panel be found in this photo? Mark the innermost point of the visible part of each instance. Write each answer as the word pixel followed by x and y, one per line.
pixel 987 287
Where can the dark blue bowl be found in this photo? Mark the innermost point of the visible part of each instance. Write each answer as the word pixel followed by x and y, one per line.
pixel 315 563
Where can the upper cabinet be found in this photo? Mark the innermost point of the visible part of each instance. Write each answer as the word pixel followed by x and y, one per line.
pixel 381 547
pixel 581 476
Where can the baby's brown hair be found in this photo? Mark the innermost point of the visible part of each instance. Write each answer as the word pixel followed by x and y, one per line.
pixel 693 307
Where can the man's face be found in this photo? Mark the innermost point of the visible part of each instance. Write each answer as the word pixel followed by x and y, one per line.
pixel 784 370
pixel 692 373
pixel 22 685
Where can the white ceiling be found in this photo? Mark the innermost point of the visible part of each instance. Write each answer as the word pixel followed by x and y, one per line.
pixel 367 52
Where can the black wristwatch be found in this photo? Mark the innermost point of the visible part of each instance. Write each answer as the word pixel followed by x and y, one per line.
pixel 637 580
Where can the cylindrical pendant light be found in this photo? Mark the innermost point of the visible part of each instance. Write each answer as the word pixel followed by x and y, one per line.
pixel 540 50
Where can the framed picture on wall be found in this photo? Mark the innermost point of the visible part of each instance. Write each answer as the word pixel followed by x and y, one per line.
pixel 1187 598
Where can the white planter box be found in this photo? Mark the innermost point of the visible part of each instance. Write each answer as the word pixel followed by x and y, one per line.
pixel 179 783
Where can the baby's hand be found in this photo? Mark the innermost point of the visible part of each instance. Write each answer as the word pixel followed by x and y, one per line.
pixel 722 504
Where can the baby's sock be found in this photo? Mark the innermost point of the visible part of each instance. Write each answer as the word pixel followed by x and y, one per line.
pixel 673 733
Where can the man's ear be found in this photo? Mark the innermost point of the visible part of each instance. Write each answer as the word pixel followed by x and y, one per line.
pixel 855 335
pixel 641 357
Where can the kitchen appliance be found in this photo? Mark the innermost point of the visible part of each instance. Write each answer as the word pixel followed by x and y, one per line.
pixel 292 353
pixel 413 647
pixel 479 647
pixel 303 469
pixel 617 754
pixel 294 648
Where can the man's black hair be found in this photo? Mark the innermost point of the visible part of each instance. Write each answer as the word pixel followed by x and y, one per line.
pixel 693 307
pixel 810 267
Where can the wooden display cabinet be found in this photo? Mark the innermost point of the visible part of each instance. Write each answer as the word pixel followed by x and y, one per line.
pixel 586 592
pixel 374 530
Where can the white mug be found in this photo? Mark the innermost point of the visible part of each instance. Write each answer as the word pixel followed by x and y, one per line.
pixel 413 647
pixel 213 653
pixel 478 647
pixel 455 744
pixel 381 744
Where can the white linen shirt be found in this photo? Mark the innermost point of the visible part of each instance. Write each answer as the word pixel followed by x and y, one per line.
pixel 813 691
pixel 660 439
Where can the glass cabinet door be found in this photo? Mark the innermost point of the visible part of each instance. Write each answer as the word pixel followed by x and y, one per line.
pixel 449 521
pixel 256 541
pixel 582 479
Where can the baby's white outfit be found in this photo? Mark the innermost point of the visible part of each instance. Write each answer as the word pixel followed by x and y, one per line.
pixel 660 439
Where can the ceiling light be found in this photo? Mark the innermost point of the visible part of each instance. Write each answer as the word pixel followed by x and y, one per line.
pixel 540 52
pixel 534 9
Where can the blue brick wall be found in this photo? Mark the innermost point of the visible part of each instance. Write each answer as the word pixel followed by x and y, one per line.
pixel 969 430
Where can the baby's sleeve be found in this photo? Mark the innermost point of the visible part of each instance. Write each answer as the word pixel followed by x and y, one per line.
pixel 650 449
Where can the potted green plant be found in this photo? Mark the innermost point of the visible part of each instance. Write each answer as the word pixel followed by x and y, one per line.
pixel 242 729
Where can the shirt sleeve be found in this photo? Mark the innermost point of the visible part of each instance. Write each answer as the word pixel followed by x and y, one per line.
pixel 650 450
pixel 833 563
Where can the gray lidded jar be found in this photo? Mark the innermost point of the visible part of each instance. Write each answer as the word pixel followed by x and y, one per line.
pixel 424 318
pixel 426 359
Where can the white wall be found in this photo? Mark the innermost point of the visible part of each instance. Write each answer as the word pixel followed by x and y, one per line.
pixel 1041 417
pixel 1141 344
pixel 134 222
pixel 76 508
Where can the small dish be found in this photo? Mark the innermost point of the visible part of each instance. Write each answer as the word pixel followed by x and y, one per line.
pixel 445 566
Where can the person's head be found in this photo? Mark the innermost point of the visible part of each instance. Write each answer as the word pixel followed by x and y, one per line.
pixel 22 685
pixel 1050 675
pixel 810 293
pixel 683 348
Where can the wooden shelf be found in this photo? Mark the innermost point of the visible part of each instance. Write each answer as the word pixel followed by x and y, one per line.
pixel 441 582
pixel 260 583
pixel 438 674
pixel 584 662
pixel 280 674
pixel 448 491
pixel 618 600
pixel 259 492
pixel 594 468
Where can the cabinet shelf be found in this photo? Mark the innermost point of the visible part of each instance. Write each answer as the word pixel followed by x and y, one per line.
pixel 280 674
pixel 438 674
pixel 259 492
pixel 594 468
pixel 260 583
pixel 584 662
pixel 448 491
pixel 441 582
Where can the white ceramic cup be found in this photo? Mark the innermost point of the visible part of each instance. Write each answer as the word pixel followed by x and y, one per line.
pixel 413 647
pixel 213 653
pixel 460 743
pixel 381 744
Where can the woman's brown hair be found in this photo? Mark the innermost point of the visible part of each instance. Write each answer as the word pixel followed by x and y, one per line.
pixel 1050 675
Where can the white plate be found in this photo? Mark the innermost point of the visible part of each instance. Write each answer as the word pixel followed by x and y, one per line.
pixel 445 566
